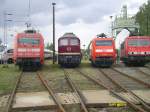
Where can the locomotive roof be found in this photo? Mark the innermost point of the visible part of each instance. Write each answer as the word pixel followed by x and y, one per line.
pixel 102 35
pixel 110 38
pixel 30 34
pixel 30 31
pixel 24 35
pixel 69 35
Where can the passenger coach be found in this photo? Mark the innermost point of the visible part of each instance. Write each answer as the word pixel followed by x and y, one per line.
pixel 69 52
pixel 102 51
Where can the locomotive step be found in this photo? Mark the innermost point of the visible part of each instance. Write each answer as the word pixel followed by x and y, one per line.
pixel 93 98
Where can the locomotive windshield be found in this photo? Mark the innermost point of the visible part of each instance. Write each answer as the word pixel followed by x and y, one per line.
pixel 66 42
pixel 29 41
pixel 138 42
pixel 63 42
pixel 74 41
pixel 103 42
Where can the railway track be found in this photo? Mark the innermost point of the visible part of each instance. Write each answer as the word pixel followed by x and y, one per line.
pixel 139 73
pixel 110 76
pixel 77 92
pixel 142 79
pixel 107 82
pixel 44 83
pixel 131 104
pixel 143 72
pixel 77 89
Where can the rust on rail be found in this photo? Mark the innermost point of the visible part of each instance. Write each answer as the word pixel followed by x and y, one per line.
pixel 147 107
pixel 133 78
pixel 131 104
pixel 76 90
pixel 51 93
pixel 11 97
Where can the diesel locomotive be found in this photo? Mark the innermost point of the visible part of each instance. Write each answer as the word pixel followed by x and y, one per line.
pixel 69 52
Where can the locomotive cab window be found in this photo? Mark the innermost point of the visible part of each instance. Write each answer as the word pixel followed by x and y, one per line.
pixel 74 41
pixel 63 42
pixel 138 43
pixel 29 41
pixel 103 42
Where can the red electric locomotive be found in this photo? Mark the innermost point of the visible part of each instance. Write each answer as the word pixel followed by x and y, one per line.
pixel 135 50
pixel 69 52
pixel 29 50
pixel 102 51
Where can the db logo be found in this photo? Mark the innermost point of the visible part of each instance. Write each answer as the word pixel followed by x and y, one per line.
pixel 68 48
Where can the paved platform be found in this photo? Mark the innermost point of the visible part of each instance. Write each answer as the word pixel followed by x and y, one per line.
pixel 33 99
pixel 93 98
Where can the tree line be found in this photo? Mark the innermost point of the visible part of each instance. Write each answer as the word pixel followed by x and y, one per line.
pixel 143 19
pixel 49 46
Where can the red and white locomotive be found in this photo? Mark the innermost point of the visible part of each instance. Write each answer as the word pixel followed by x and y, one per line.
pixel 29 49
pixel 102 51
pixel 135 50
pixel 69 52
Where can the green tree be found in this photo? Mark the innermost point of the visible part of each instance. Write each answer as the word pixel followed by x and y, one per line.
pixel 49 46
pixel 143 18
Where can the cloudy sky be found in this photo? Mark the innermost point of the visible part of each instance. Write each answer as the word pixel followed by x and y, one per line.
pixel 86 18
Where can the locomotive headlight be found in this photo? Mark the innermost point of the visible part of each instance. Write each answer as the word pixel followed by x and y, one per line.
pixel 35 49
pixel 104 50
pixel 98 50
pixel 28 49
pixel 129 52
pixel 109 50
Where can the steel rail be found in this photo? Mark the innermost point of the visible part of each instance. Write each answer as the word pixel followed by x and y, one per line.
pixel 76 90
pixel 147 67
pixel 49 88
pixel 11 97
pixel 144 73
pixel 147 107
pixel 133 78
pixel 131 104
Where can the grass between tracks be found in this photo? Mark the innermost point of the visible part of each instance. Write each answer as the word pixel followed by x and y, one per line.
pixel 8 77
pixel 55 76
pixel 53 73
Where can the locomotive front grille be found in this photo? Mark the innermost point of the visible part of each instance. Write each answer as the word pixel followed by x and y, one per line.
pixel 69 59
pixel 104 61
pixel 104 58
pixel 139 58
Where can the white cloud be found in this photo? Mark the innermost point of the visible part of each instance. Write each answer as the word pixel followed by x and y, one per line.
pixel 83 30
pixel 86 18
